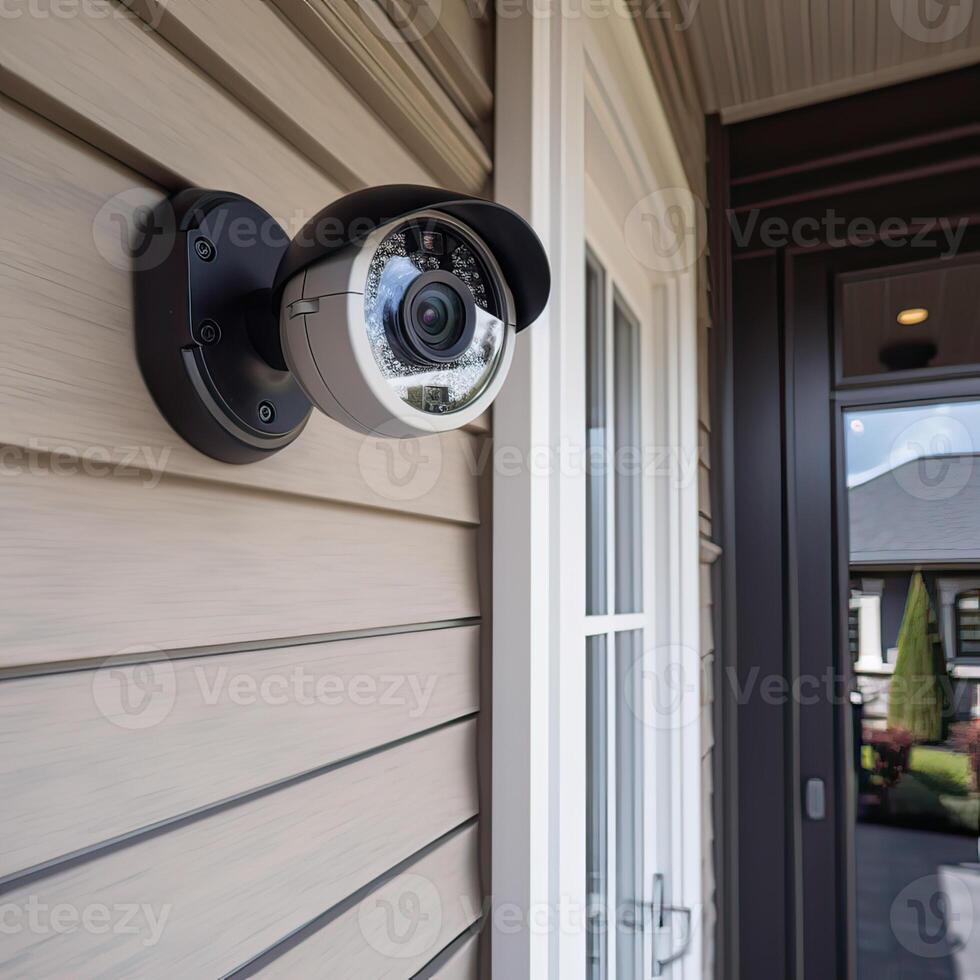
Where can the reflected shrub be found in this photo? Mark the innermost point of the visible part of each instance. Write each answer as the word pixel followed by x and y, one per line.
pixel 891 751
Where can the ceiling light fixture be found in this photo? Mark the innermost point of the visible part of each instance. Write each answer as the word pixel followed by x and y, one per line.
pixel 913 317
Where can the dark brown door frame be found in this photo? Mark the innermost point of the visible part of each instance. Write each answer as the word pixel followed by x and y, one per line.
pixel 815 487
pixel 783 885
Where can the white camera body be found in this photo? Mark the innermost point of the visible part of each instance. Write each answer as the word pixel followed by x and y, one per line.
pixel 335 334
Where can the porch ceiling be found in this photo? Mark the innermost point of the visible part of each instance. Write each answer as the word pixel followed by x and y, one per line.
pixel 756 57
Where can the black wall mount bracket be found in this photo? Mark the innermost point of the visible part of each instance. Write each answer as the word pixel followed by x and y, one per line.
pixel 207 326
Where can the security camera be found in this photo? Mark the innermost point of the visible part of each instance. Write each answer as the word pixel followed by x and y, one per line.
pixel 394 311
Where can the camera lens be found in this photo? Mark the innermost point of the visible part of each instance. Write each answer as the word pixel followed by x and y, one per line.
pixel 439 316
pixel 434 320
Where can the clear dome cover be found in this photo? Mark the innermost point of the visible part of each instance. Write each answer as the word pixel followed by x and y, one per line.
pixel 397 263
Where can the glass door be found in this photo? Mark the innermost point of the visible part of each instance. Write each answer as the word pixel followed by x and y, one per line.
pixel 624 835
pixel 913 521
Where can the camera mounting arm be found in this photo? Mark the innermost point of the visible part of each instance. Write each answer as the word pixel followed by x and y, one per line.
pixel 207 325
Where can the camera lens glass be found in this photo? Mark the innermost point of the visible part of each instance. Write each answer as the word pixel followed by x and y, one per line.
pixel 434 313
pixel 439 316
pixel 434 319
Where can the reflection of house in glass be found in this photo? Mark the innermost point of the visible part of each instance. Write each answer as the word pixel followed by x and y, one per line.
pixel 923 515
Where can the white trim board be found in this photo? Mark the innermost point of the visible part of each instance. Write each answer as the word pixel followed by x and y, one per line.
pixel 536 793
pixel 547 68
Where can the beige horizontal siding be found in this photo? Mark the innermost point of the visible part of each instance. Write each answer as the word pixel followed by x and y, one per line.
pixel 462 965
pixel 358 38
pixel 232 884
pixel 94 567
pixel 396 929
pixel 455 42
pixel 482 423
pixel 128 93
pixel 69 379
pixel 216 727
pixel 249 48
pixel 236 815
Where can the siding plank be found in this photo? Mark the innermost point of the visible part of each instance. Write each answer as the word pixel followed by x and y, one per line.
pixel 119 87
pixel 462 965
pixel 92 567
pixel 216 728
pixel 359 40
pixel 69 381
pixel 455 46
pixel 228 886
pixel 235 816
pixel 442 890
pixel 256 55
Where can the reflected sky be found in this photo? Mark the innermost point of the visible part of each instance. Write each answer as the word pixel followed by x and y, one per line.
pixel 878 440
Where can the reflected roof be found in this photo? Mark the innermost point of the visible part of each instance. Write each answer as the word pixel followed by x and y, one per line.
pixel 926 511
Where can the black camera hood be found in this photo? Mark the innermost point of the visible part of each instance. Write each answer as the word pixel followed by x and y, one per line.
pixel 350 219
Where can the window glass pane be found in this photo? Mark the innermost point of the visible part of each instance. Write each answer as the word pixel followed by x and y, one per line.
pixel 913 511
pixel 968 624
pixel 595 393
pixel 629 802
pixel 854 624
pixel 628 463
pixel 597 795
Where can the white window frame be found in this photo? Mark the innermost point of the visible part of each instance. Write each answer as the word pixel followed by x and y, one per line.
pixel 538 619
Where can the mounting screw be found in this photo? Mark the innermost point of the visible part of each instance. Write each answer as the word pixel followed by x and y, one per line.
pixel 209 332
pixel 205 249
pixel 267 412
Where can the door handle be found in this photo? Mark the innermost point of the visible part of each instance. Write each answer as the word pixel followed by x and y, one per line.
pixel 662 918
pixel 816 799
pixel 662 922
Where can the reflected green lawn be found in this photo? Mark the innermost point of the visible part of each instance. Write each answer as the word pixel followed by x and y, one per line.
pixel 937 792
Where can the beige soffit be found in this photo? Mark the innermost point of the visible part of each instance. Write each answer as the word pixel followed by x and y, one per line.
pixel 758 57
